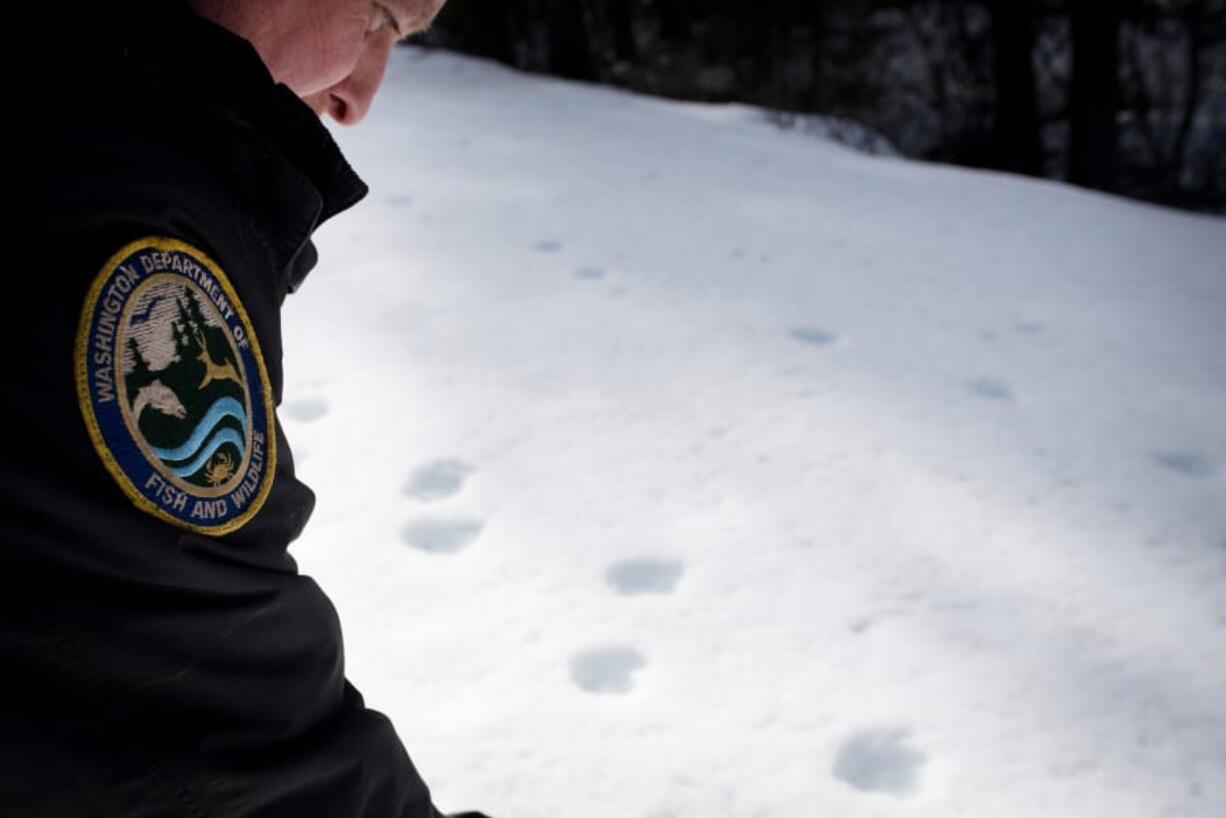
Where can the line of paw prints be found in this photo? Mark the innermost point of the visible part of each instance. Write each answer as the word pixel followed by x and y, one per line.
pixel 1000 390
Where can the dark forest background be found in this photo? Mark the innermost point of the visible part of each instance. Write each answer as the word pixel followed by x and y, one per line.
pixel 1127 97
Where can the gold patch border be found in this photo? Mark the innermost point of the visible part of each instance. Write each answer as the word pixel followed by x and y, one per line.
pixel 81 367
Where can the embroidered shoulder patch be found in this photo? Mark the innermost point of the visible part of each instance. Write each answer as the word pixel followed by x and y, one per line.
pixel 173 387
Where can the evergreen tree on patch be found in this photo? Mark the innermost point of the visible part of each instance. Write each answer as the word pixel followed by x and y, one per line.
pixel 180 340
pixel 198 324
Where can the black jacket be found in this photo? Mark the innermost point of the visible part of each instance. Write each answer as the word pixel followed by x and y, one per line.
pixel 160 654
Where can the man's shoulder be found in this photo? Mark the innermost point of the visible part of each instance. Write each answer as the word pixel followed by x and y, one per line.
pixel 88 180
pixel 132 158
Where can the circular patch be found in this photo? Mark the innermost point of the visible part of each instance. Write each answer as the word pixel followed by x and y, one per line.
pixel 173 387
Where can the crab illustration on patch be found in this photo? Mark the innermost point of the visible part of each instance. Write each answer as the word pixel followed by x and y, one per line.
pixel 173 387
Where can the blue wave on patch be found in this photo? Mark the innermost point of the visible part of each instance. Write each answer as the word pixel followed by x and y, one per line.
pixel 216 442
pixel 221 409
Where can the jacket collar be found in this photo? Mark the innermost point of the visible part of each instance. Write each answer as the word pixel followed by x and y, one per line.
pixel 209 87
pixel 175 46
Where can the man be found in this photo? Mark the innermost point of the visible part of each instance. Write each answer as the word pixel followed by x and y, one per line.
pixel 159 653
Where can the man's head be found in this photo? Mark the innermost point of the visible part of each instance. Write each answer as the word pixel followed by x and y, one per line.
pixel 332 53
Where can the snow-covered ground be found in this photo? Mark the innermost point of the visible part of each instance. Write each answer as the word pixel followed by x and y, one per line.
pixel 674 466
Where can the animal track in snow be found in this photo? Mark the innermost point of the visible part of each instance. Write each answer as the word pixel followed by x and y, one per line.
pixel 590 273
pixel 991 388
pixel 863 625
pixel 306 410
pixel 547 246
pixel 438 480
pixel 813 336
pixel 606 670
pixel 635 577
pixel 438 536
pixel 1185 463
pixel 880 761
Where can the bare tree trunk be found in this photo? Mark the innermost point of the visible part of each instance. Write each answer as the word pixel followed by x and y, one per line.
pixel 1192 97
pixel 1094 142
pixel 570 50
pixel 674 19
pixel 1016 128
pixel 621 20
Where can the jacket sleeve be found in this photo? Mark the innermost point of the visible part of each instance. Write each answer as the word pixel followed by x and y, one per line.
pixel 152 670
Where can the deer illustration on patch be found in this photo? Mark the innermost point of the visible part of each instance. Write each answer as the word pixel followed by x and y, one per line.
pixel 173 387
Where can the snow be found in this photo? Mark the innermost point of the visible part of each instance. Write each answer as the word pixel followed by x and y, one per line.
pixel 670 464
